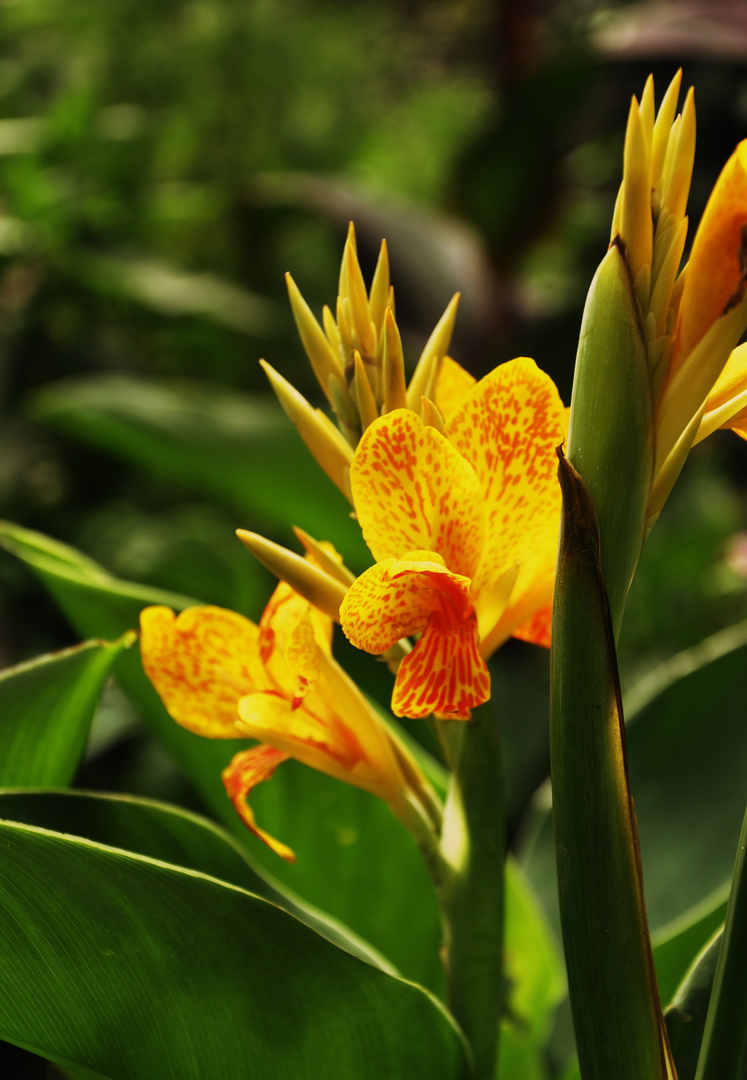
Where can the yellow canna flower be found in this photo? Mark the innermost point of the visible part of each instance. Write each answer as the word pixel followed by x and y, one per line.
pixel 463 525
pixel 222 676
pixel 692 319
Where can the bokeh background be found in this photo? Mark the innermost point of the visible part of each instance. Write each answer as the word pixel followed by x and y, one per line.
pixel 163 164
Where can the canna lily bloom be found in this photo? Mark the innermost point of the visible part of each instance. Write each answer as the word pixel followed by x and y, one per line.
pixel 463 526
pixel 222 676
pixel 692 318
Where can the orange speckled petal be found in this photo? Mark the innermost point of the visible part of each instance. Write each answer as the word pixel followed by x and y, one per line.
pixel 538 629
pixel 302 654
pixel 411 489
pixel 201 663
pixel 246 770
pixel 452 386
pixel 508 428
pixel 397 597
pixel 279 625
pixel 714 270
pixel 444 674
pixel 312 734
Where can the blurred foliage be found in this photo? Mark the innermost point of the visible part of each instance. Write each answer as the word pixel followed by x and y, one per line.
pixel 162 165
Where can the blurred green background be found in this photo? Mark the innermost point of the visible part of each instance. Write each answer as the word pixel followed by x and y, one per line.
pixel 162 165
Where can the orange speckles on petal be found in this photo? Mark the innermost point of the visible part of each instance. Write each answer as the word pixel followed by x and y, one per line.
pixel 397 597
pixel 444 673
pixel 507 428
pixel 201 663
pixel 452 386
pixel 404 503
pixel 247 769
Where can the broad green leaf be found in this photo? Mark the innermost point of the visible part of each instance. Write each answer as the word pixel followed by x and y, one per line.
pixel 161 831
pixel 133 969
pixel 348 842
pixel 46 708
pixel 242 451
pixel 687 757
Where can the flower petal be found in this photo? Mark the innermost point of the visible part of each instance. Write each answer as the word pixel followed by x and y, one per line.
pixel 538 629
pixel 411 489
pixel 312 733
pixel 291 634
pixel 508 428
pixel 715 271
pixel 444 674
pixel 452 386
pixel 201 663
pixel 398 597
pixel 246 770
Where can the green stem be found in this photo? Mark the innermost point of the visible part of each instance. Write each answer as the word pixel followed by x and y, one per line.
pixel 471 894
pixel 725 1035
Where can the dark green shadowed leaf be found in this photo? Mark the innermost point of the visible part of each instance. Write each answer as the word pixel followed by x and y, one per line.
pixel 349 845
pixel 135 969
pixel 687 757
pixel 686 1016
pixel 678 943
pixel 46 708
pixel 173 835
pixel 242 451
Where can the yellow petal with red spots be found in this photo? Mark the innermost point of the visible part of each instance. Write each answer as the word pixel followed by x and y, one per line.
pixel 312 733
pixel 246 770
pixel 444 674
pixel 452 386
pixel 411 489
pixel 397 597
pixel 715 274
pixel 201 663
pixel 302 656
pixel 278 627
pixel 507 428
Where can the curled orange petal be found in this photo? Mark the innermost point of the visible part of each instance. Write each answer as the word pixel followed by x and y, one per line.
pixel 247 769
pixel 444 674
pixel 201 662
pixel 397 597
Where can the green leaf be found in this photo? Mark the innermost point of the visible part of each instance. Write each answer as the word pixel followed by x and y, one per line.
pixel 687 758
pixel 676 944
pixel 686 1016
pixel 239 450
pixel 161 831
pixel 135 969
pixel 349 843
pixel 46 708
pixel 535 972
pixel 616 1010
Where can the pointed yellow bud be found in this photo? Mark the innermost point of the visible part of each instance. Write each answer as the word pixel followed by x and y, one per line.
pixel 430 414
pixel 325 558
pixel 395 387
pixel 320 589
pixel 636 227
pixel 378 298
pixel 663 126
pixel 318 349
pixel 355 291
pixel 424 377
pixel 367 410
pixel 327 446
